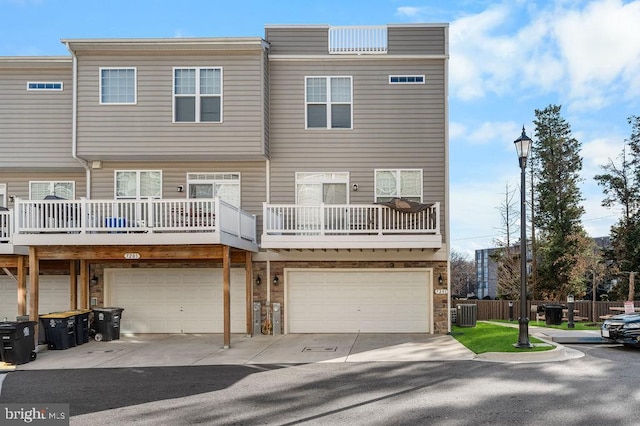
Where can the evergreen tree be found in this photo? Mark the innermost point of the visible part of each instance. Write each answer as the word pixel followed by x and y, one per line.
pixel 621 186
pixel 558 210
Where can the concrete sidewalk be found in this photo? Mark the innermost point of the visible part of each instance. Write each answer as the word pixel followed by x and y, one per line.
pixel 154 350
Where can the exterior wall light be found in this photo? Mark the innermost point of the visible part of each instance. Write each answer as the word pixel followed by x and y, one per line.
pixel 276 280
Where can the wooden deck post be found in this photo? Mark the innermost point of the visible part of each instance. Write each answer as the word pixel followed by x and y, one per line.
pixel 73 285
pixel 34 290
pixel 226 297
pixel 249 293
pixel 22 285
pixel 84 284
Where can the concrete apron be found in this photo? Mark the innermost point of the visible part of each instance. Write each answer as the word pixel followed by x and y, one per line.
pixel 159 350
pixel 155 350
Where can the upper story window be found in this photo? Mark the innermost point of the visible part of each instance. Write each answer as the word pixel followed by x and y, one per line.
pixel 48 86
pixel 38 190
pixel 197 95
pixel 118 86
pixel 210 185
pixel 400 183
pixel 138 184
pixel 328 102
pixel 406 79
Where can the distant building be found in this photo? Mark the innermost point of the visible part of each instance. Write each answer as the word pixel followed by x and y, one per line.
pixel 487 269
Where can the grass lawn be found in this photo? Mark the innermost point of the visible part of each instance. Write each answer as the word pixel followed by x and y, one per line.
pixel 485 337
pixel 563 326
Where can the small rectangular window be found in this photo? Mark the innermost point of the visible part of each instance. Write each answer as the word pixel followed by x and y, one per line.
pixel 406 79
pixel 54 86
pixel 118 86
pixel 400 183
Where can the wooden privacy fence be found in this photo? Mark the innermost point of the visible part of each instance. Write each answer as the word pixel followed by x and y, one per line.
pixel 499 309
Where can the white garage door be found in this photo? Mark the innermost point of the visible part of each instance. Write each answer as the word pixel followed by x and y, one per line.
pixel 54 295
pixel 175 300
pixel 363 300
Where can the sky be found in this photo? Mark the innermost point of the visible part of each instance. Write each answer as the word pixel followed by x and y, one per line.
pixel 507 59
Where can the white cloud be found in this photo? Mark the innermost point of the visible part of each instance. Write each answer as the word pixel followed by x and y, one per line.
pixel 600 44
pixel 582 52
pixel 409 11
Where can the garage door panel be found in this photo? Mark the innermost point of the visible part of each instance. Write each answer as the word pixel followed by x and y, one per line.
pixel 54 295
pixel 177 300
pixel 358 301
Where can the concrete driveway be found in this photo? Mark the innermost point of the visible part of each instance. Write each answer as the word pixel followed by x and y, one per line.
pixel 149 350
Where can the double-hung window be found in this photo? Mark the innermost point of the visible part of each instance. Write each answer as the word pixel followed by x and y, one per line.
pixel 328 102
pixel 210 185
pixel 118 86
pixel 138 184
pixel 197 95
pixel 38 190
pixel 400 183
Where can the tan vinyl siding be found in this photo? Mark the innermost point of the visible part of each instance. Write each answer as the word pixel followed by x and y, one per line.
pixel 252 180
pixel 35 126
pixel 18 182
pixel 298 40
pixel 147 131
pixel 415 40
pixel 394 126
pixel 266 100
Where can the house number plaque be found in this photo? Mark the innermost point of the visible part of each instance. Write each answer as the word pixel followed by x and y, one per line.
pixel 131 256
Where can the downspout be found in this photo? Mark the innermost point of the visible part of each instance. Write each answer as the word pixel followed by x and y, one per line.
pixel 74 124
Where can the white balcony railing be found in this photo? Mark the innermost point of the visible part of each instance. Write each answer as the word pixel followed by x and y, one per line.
pixel 123 216
pixel 358 40
pixel 325 219
pixel 6 226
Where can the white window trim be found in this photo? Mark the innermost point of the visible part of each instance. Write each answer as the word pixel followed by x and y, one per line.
pixel 328 103
pixel 407 82
pixel 3 195
pixel 135 85
pixel 197 95
pixel 53 183
pixel 329 177
pixel 214 180
pixel 375 181
pixel 44 89
pixel 138 196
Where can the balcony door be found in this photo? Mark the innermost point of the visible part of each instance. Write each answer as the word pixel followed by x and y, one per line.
pixel 319 188
pixel 3 195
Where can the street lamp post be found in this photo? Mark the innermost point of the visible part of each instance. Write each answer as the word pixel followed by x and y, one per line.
pixel 523 146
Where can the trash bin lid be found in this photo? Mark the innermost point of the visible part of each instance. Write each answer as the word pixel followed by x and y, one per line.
pixel 109 309
pixel 65 314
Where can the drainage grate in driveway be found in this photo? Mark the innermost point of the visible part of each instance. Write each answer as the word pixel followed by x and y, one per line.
pixel 107 351
pixel 320 349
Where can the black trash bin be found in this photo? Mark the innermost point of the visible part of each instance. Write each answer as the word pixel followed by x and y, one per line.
pixel 106 323
pixel 82 325
pixel 17 342
pixel 553 314
pixel 59 329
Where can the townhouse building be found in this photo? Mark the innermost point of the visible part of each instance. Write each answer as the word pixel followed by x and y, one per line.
pixel 291 183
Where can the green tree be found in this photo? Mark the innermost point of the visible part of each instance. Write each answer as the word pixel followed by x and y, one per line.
pixel 558 209
pixel 621 186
